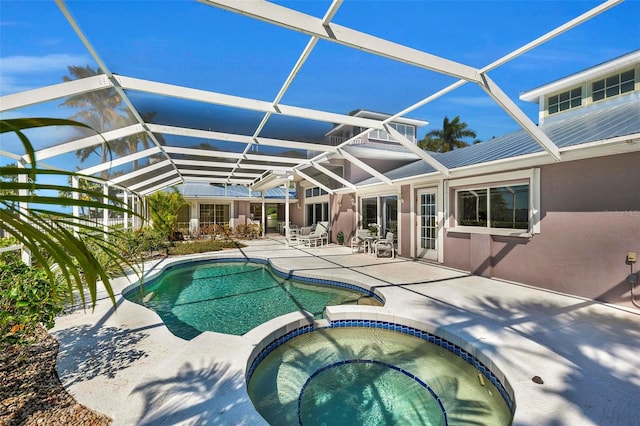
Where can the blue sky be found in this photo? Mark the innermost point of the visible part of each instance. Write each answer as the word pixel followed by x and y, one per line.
pixel 191 44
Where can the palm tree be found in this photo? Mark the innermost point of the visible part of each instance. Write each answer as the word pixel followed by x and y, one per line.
pixel 449 138
pixel 130 144
pixel 163 210
pixel 98 109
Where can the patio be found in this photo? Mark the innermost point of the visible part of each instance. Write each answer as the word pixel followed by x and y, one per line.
pixel 127 365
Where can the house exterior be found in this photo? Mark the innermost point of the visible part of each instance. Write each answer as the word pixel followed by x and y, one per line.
pixel 509 210
pixel 309 199
pixel 506 210
pixel 231 205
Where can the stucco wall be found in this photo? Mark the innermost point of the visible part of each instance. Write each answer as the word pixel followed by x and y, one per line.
pixel 406 224
pixel 590 212
pixel 342 217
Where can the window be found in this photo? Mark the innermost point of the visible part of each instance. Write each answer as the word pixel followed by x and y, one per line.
pixel 255 211
pixel 407 131
pixel 369 211
pixel 214 213
pixel 314 192
pixel 613 86
pixel 565 100
pixel 500 207
pixel 317 212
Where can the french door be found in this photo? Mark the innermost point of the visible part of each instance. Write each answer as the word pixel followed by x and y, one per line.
pixel 427 223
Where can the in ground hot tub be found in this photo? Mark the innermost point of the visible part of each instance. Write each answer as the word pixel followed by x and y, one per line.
pixel 371 372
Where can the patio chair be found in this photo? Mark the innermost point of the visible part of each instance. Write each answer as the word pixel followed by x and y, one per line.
pixel 359 241
pixel 292 232
pixel 318 236
pixel 386 246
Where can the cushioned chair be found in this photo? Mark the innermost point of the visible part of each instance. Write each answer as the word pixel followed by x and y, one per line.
pixel 385 247
pixel 317 237
pixel 358 241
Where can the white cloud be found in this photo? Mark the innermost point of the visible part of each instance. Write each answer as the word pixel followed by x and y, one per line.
pixel 33 64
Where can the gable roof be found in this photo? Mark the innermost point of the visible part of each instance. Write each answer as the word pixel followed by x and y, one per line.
pixel 601 70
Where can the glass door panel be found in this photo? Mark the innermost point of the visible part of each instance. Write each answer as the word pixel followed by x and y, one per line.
pixel 427 244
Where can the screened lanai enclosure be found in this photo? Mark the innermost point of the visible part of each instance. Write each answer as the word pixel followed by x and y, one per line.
pixel 246 96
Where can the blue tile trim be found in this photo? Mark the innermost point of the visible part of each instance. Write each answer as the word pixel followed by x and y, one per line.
pixel 371 361
pixel 424 335
pixel 274 344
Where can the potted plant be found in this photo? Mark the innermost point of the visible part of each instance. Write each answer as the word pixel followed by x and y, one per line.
pixel 340 237
pixel 373 228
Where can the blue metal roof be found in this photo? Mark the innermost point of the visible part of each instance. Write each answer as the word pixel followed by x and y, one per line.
pixel 205 190
pixel 618 119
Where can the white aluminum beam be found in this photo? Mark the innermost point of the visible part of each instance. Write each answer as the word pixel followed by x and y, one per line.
pixel 120 161
pixel 364 166
pixel 315 182
pixel 55 91
pixel 233 155
pixel 153 179
pixel 520 117
pixel 298 21
pixel 416 150
pixel 87 142
pixel 333 9
pixel 11 155
pixel 141 171
pixel 160 187
pixel 200 163
pixel 198 95
pixel 514 54
pixel 206 163
pixel 275 159
pixel 191 172
pixel 202 152
pixel 230 137
pixel 223 180
pixel 117 87
pixel 333 175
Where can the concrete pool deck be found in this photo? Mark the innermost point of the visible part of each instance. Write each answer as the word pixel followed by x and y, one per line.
pixel 126 364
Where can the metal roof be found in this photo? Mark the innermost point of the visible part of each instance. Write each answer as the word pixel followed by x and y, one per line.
pixel 189 127
pixel 618 120
pixel 205 190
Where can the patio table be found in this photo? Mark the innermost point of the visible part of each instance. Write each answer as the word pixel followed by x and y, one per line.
pixel 369 243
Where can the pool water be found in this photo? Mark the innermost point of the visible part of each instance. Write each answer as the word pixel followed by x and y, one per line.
pixel 231 298
pixel 371 376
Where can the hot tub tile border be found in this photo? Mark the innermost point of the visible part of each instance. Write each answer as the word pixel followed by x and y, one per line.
pixel 386 325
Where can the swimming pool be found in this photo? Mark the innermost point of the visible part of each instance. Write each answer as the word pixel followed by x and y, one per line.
pixel 233 297
pixel 372 375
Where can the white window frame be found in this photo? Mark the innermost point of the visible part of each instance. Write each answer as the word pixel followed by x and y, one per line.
pixel 569 100
pixel 530 177
pixel 618 85
pixel 214 203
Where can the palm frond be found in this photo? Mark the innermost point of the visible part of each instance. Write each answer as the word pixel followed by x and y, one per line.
pixel 57 240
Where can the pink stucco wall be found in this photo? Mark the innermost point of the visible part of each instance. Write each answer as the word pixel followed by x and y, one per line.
pixel 590 212
pixel 404 211
pixel 342 217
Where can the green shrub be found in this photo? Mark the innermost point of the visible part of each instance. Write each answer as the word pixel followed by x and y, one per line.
pixel 9 256
pixel 27 299
pixel 163 210
pixel 202 246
